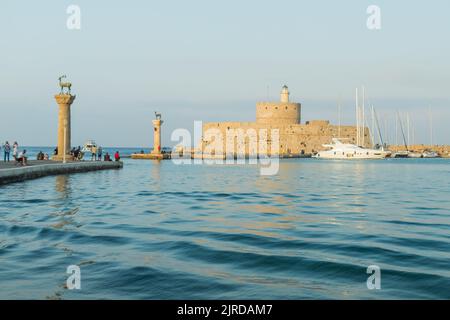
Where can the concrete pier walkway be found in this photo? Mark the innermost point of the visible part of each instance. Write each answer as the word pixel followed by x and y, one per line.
pixel 9 172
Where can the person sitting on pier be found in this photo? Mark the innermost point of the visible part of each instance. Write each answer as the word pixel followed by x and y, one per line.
pixel 107 157
pixel 76 153
pixel 22 158
pixel 40 156
pixel 117 156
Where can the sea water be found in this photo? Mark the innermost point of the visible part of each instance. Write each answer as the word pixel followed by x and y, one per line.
pixel 157 230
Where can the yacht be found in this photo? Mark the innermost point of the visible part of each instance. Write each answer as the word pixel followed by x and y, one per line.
pixel 89 146
pixel 339 150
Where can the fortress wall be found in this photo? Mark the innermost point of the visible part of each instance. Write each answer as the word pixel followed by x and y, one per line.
pixel 294 138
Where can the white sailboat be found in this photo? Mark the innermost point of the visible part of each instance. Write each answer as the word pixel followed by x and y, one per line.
pixel 401 153
pixel 430 153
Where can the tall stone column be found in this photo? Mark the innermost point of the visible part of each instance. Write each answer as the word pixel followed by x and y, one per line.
pixel 157 136
pixel 64 102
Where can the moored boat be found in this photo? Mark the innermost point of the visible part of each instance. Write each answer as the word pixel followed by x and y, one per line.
pixel 89 146
pixel 415 155
pixel 430 154
pixel 340 151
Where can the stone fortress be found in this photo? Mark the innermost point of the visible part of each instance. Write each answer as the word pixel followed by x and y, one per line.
pixel 295 139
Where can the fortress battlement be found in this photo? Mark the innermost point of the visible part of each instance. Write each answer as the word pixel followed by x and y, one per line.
pixel 285 116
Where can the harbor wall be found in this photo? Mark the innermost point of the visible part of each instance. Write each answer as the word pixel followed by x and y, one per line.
pixel 442 150
pixel 37 171
pixel 294 138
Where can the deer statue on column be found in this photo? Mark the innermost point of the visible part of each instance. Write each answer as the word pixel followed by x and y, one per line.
pixel 63 85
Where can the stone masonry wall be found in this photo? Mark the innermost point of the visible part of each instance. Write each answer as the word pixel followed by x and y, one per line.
pixel 295 139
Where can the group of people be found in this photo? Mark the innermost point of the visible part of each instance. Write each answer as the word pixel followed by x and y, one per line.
pixel 76 152
pixel 42 156
pixel 97 152
pixel 107 156
pixel 19 157
pixel 116 156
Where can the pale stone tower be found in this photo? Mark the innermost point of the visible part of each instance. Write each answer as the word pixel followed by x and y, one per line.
pixel 279 113
pixel 64 101
pixel 284 94
pixel 157 135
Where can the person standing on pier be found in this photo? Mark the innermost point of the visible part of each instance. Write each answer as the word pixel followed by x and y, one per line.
pixel 15 149
pixel 99 153
pixel 6 151
pixel 93 153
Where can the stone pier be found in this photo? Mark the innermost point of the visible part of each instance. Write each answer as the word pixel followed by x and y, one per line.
pixel 36 169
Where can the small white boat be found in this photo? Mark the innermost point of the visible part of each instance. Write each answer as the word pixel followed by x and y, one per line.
pixel 89 146
pixel 341 151
pixel 400 154
pixel 430 154
pixel 415 155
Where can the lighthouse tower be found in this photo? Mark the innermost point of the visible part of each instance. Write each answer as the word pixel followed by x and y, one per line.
pixel 284 94
pixel 279 113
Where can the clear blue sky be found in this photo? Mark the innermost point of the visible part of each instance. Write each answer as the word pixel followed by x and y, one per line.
pixel 212 60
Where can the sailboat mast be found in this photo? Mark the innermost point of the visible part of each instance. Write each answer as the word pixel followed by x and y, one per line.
pixel 396 131
pixel 363 116
pixel 372 130
pixel 378 128
pixel 431 127
pixel 403 132
pixel 357 118
pixel 408 126
pixel 339 118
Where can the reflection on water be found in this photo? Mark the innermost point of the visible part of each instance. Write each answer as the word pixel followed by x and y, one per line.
pixel 155 171
pixel 155 230
pixel 61 185
pixel 65 207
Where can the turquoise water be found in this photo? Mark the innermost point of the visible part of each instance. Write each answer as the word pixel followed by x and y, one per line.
pixel 155 230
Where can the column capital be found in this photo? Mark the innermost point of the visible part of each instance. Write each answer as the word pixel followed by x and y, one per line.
pixel 64 99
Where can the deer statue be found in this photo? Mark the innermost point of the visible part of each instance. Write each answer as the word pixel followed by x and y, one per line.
pixel 158 115
pixel 64 85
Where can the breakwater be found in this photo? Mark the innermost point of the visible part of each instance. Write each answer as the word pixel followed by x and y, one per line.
pixel 36 170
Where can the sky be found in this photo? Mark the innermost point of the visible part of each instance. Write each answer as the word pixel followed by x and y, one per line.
pixel 213 60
